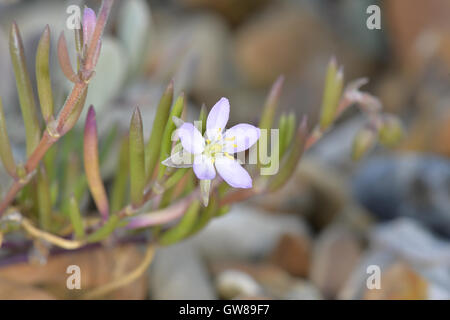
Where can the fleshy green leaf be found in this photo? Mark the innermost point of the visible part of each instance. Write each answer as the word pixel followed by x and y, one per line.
pixel 291 160
pixel 6 154
pixel 24 89
pixel 44 85
pixel 166 142
pixel 153 147
pixel 44 199
pixel 332 92
pixel 75 218
pixel 271 104
pixel 175 178
pixel 137 159
pixel 104 231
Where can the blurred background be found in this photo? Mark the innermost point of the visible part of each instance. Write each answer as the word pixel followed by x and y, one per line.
pixel 315 238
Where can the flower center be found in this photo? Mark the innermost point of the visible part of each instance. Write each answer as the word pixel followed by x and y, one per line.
pixel 215 147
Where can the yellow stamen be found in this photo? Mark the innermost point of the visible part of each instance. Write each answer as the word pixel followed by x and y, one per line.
pixel 230 139
pixel 228 156
pixel 208 141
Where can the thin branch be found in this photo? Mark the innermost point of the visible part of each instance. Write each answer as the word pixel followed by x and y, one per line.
pixel 58 241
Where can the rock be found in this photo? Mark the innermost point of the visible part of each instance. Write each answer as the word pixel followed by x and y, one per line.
pixel 399 282
pixel 274 281
pixel 234 10
pixel 319 193
pixel 233 284
pixel 412 242
pixel 406 241
pixel 245 234
pixel 135 32
pixel 409 185
pixel 292 253
pixel 178 272
pixel 302 290
pixel 356 284
pixel 425 38
pixel 272 43
pixel 336 253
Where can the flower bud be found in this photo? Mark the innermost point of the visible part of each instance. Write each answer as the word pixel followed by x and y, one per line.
pixel 364 140
pixel 391 131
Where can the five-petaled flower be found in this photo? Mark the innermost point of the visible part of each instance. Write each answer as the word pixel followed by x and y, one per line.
pixel 215 150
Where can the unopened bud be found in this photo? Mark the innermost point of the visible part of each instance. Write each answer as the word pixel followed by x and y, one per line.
pixel 364 141
pixel 391 131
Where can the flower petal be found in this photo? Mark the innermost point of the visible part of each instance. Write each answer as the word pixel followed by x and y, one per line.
pixel 191 138
pixel 241 137
pixel 217 118
pixel 204 168
pixel 233 173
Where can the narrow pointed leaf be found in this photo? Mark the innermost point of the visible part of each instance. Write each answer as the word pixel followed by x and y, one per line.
pixel 44 199
pixel 6 154
pixel 271 104
pixel 137 159
pixel 91 165
pixel 166 143
pixel 331 94
pixel 202 119
pixel 121 179
pixel 153 147
pixel 44 85
pixel 24 89
pixel 175 178
pixel 104 231
pixel 182 229
pixel 75 218
pixel 64 59
pixel 282 127
pixel 290 163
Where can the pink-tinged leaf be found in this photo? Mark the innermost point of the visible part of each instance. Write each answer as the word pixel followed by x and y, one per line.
pixel 91 164
pixel 64 59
